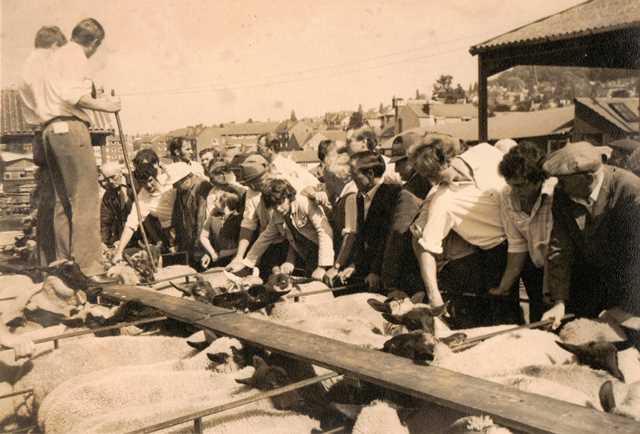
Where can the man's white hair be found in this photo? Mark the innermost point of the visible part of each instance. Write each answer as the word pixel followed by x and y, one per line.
pixel 111 168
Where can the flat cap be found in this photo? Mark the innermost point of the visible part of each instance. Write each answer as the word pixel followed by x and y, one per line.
pixel 368 160
pixel 253 167
pixel 574 158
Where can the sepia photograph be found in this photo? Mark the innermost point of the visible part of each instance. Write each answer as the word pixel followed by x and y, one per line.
pixel 320 217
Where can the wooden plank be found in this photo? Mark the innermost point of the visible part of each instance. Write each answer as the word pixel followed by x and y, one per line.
pixel 507 406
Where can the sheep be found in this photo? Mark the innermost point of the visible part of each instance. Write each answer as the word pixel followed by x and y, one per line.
pixel 504 354
pixel 91 354
pixel 128 398
pixel 582 330
pixel 379 418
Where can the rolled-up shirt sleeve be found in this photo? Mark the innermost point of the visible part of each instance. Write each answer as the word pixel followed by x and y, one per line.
pixel 143 200
pixel 325 235
pixel 270 235
pixel 250 219
pixel 438 222
pixel 517 243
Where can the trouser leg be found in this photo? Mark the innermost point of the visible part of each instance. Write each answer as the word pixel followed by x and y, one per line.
pixel 74 178
pixel 533 279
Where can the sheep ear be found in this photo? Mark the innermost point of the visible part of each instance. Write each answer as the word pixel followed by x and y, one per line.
pixel 607 399
pixel 218 358
pixel 573 349
pixel 198 345
pixel 258 362
pixel 379 306
pixel 390 318
pixel 611 363
pixel 622 345
pixel 418 297
pixel 250 381
pixel 350 411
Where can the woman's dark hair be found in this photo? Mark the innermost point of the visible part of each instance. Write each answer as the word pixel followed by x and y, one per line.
pixel 175 144
pixel 49 36
pixel 87 31
pixel 369 137
pixel 523 161
pixel 276 191
pixel 145 156
pixel 144 171
pixel 323 149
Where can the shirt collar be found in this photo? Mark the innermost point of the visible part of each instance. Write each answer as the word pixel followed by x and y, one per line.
pixel 596 189
pixel 369 194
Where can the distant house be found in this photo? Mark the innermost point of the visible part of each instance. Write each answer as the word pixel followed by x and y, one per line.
pixel 423 113
pixel 294 133
pixel 234 135
pixel 307 158
pixel 18 181
pixel 603 120
pixel 338 136
pixel 17 136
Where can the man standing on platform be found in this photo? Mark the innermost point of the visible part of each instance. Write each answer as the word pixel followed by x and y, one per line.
pixel 69 157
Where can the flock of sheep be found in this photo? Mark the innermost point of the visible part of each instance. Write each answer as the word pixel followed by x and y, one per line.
pixel 123 383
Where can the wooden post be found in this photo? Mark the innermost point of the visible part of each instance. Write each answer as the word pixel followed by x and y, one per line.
pixel 197 425
pixel 483 101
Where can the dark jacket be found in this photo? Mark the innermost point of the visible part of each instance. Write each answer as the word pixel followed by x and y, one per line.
pixel 114 210
pixel 369 246
pixel 189 211
pixel 599 266
pixel 400 268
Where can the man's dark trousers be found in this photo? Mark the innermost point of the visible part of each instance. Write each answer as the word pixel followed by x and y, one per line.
pixel 74 179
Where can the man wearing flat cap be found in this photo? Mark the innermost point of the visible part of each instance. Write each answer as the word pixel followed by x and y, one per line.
pixel 368 216
pixel 593 258
pixel 460 223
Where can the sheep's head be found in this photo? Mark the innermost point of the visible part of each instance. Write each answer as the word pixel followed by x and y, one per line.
pixel 421 317
pixel 598 355
pixel 417 346
pixel 268 377
pixel 201 288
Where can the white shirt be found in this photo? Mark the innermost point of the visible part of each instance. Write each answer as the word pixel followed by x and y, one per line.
pixel 295 174
pixel 159 204
pixel 470 208
pixel 57 91
pixel 32 85
pixel 529 232
pixel 255 213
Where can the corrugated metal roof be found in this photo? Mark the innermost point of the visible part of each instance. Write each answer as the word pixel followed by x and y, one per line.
pixel 12 121
pixel 590 17
pixel 514 125
pixel 453 110
pixel 605 108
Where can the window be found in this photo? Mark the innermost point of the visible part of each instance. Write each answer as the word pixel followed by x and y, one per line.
pixel 624 111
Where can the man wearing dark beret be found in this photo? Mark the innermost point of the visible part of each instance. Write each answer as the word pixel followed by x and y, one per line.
pixel 593 258
pixel 368 215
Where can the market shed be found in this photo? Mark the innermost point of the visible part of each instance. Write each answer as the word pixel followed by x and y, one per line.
pixel 594 34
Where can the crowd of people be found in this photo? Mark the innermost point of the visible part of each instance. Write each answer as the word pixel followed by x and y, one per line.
pixel 463 223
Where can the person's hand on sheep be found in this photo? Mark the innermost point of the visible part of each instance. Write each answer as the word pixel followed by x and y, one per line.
pixel 318 273
pixel 235 266
pixel 346 274
pixel 556 312
pixel 287 268
pixel 373 281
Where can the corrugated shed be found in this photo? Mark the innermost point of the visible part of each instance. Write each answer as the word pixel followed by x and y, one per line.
pixel 12 121
pixel 590 17
pixel 620 112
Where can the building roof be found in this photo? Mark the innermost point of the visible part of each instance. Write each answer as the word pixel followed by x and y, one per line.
pixel 588 18
pixel 304 156
pixel 453 110
pixel 620 112
pixel 12 121
pixel 514 125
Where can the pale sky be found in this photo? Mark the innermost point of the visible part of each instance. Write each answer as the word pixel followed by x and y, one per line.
pixel 183 62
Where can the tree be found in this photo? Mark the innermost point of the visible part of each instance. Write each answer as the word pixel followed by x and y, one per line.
pixel 293 116
pixel 357 119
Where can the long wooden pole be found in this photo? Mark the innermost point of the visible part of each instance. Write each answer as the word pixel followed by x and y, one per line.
pixel 234 404
pixel 534 325
pixel 127 164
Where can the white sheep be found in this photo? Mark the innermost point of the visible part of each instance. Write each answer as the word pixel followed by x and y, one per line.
pixel 379 418
pixel 90 354
pixel 582 330
pixel 621 399
pixel 503 355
